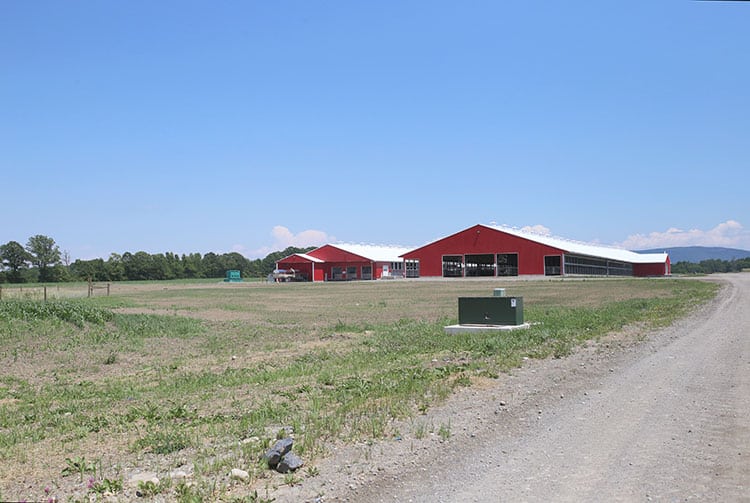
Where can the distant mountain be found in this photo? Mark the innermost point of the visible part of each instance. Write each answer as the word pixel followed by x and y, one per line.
pixel 699 253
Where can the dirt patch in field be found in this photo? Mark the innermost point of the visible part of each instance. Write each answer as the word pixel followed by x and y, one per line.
pixel 214 314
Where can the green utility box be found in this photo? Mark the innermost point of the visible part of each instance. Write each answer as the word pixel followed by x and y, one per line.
pixel 494 310
pixel 233 277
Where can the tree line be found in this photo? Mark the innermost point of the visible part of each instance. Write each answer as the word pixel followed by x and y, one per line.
pixel 711 266
pixel 42 261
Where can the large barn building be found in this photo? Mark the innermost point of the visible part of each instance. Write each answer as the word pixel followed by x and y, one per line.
pixel 484 250
pixel 345 262
pixel 481 250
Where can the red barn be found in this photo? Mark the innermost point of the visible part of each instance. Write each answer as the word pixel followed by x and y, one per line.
pixel 345 262
pixel 484 250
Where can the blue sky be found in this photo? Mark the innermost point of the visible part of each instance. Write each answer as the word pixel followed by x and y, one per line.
pixel 249 126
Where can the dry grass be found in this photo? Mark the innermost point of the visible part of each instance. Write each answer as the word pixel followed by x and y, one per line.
pixel 364 301
pixel 204 365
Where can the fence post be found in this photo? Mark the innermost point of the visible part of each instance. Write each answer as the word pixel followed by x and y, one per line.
pixel 107 289
pixel 45 293
pixel 91 287
pixel 1 292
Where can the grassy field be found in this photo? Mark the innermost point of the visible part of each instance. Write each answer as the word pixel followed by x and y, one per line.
pixel 200 376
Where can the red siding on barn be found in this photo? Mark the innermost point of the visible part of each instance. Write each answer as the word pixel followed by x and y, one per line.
pixel 378 269
pixel 335 264
pixel 480 239
pixel 659 269
pixel 319 274
pixel 337 258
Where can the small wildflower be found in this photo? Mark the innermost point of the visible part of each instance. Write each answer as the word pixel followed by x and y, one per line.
pixel 91 483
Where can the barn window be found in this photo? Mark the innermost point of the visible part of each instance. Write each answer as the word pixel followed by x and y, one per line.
pixel 453 266
pixel 366 272
pixel 617 268
pixel 412 268
pixel 507 264
pixel 595 266
pixel 552 265
pixel 480 265
pixel 351 272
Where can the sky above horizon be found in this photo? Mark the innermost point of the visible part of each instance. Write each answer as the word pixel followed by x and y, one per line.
pixel 251 126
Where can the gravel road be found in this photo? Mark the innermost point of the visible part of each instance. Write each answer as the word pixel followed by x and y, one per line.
pixel 665 419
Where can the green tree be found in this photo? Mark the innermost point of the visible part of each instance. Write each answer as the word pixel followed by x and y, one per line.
pixel 138 266
pixel 175 267
pixel 95 270
pixel 16 259
pixel 255 268
pixel 233 261
pixel 45 255
pixel 192 266
pixel 115 268
pixel 212 267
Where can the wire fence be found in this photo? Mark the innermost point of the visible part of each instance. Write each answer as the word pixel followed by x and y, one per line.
pixel 51 292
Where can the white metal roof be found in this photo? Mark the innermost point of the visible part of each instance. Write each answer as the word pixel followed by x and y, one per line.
pixel 589 249
pixel 307 257
pixel 376 253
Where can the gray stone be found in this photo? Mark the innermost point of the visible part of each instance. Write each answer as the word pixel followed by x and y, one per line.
pixel 280 448
pixel 272 458
pixel 284 445
pixel 289 463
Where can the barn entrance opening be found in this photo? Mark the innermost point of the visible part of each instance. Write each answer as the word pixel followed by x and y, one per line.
pixel 480 265
pixel 452 266
pixel 507 264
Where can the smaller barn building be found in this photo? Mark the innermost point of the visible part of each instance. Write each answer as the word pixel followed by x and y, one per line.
pixel 483 250
pixel 347 262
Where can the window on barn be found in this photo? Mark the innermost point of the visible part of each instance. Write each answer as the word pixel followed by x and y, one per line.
pixel 616 268
pixel 337 273
pixel 397 269
pixel 552 265
pixel 480 265
pixel 366 272
pixel 351 272
pixel 453 266
pixel 412 268
pixel 591 266
pixel 507 264
pixel 596 266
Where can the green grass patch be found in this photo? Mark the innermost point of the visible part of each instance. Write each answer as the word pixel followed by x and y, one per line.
pixel 142 326
pixel 76 312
